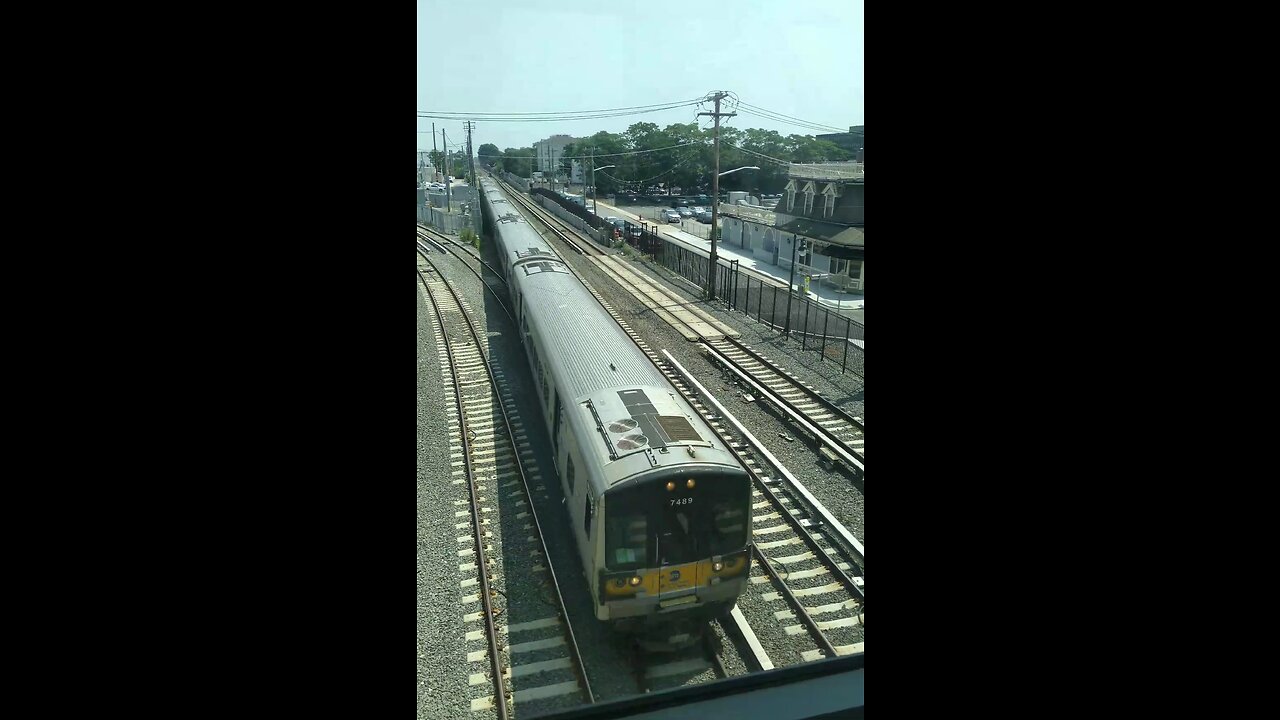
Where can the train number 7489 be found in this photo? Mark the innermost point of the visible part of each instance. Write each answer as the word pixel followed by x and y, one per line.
pixel 681 501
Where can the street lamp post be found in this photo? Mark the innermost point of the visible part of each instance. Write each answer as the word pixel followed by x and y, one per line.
pixel 715 223
pixel 594 209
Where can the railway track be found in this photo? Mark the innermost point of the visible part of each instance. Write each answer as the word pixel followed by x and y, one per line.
pixel 429 239
pixel 828 424
pixel 823 561
pixel 800 550
pixel 525 652
pixel 655 672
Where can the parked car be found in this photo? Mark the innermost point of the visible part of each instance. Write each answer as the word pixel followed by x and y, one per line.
pixel 634 232
pixel 698 210
pixel 684 212
pixel 705 217
pixel 671 216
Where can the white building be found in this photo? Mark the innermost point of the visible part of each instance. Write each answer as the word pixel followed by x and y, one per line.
pixel 549 153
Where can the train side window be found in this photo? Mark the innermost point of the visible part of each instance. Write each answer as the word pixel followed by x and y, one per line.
pixel 586 525
pixel 570 474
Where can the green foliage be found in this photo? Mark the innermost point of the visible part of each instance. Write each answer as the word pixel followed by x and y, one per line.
pixel 518 161
pixel 689 166
pixel 487 153
pixel 469 237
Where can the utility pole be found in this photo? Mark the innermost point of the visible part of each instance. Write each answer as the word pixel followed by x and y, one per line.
pixel 470 158
pixel 715 195
pixel 448 196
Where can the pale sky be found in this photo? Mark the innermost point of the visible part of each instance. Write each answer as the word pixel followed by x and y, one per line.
pixel 804 60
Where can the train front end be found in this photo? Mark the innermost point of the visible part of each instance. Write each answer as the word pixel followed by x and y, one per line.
pixel 676 545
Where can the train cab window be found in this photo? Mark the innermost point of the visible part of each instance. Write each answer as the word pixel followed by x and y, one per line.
pixel 728 527
pixel 569 474
pixel 626 529
pixel 729 510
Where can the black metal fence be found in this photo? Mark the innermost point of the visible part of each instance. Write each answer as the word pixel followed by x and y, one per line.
pixel 836 337
pixel 591 218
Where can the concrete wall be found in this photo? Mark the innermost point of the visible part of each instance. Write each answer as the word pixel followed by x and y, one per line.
pixel 516 180
pixel 563 214
pixel 451 223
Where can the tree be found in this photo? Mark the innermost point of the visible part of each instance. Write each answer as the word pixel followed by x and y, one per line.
pixel 489 154
pixel 518 161
pixel 603 145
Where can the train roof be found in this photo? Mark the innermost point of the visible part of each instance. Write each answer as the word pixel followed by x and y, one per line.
pixel 516 231
pixel 631 422
pixel 640 433
pixel 584 346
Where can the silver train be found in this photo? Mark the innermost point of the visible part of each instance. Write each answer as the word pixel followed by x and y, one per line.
pixel 660 508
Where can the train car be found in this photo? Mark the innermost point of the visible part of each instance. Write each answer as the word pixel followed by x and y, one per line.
pixel 660 508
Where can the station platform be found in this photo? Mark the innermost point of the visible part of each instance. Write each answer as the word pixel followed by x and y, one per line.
pixel 849 304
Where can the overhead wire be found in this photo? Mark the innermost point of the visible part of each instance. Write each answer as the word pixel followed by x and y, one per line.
pixel 818 128
pixel 563 117
pixel 765 112
pixel 758 154
pixel 674 103
pixel 672 169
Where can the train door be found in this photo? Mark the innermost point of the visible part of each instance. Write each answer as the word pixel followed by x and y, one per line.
pixel 678 549
pixel 555 427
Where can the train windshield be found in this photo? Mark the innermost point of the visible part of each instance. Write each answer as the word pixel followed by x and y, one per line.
pixel 676 526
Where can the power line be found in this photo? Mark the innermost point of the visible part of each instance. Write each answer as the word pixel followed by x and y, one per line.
pixel 818 128
pixel 802 121
pixel 759 154
pixel 676 103
pixel 565 118
pixel 655 177
pixel 559 117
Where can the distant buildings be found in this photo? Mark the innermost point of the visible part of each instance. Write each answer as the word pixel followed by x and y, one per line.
pixel 822 205
pixel 550 152
pixel 426 171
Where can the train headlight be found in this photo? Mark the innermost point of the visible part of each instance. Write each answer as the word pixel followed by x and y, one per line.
pixel 689 483
pixel 717 566
pixel 671 485
pixel 635 580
